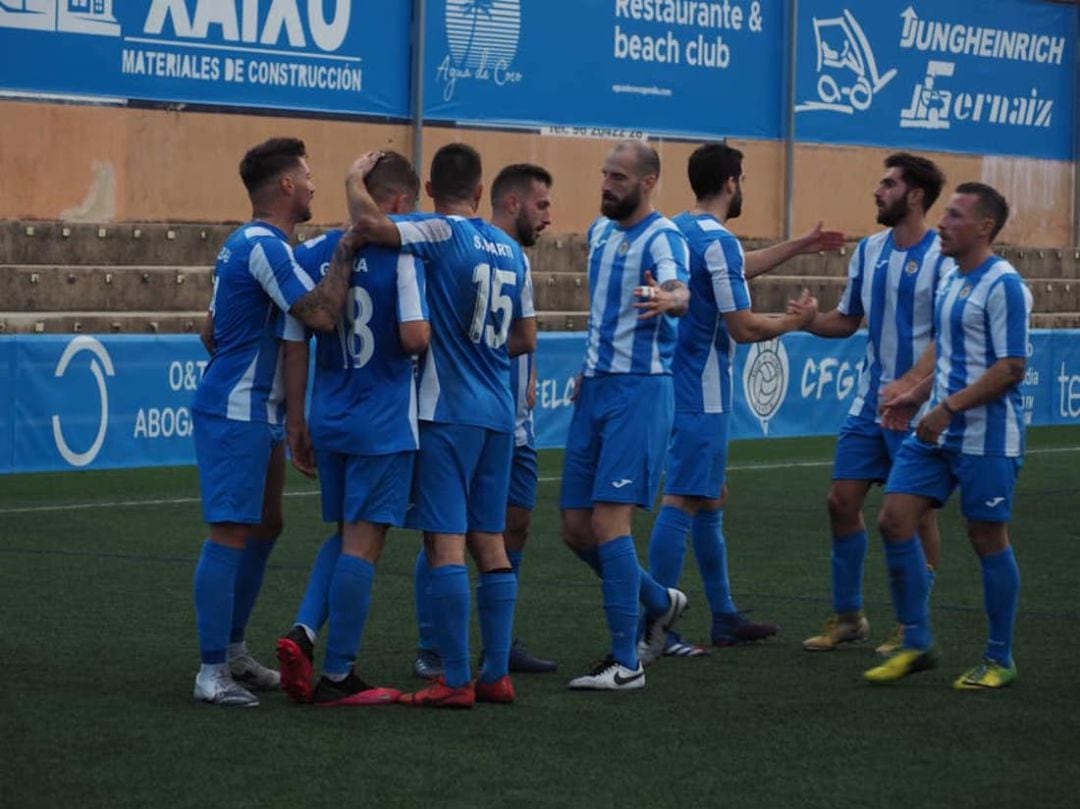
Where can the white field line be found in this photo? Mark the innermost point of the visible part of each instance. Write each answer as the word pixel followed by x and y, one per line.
pixel 175 501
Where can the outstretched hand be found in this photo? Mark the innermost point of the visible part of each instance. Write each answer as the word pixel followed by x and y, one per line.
pixel 818 240
pixel 805 308
pixel 653 299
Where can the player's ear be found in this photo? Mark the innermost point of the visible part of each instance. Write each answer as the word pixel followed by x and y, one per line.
pixel 478 194
pixel 427 189
pixel 916 196
pixel 649 181
pixel 286 184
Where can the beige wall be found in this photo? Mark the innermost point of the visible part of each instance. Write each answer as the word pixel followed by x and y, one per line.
pixel 89 163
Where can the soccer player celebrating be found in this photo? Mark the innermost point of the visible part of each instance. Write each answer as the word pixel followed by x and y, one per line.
pixel 480 299
pixel 364 432
pixel 623 407
pixel 891 281
pixel 521 207
pixel 970 435
pixel 237 409
pixel 719 317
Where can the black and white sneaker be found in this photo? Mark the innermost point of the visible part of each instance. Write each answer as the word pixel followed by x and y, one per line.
pixel 215 685
pixel 657 627
pixel 610 675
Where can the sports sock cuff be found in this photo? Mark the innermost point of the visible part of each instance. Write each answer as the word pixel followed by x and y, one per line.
pixel 901 548
pixel 259 547
pixel 854 535
pixel 675 517
pixel 222 553
pixel 620 546
pixel 1003 558
pixel 709 517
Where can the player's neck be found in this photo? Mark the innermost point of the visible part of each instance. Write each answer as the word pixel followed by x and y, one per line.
pixel 286 224
pixel 454 208
pixel 504 223
pixel 974 258
pixel 909 232
pixel 716 208
pixel 642 213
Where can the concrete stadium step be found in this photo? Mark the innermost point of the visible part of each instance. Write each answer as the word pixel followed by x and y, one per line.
pixel 143 322
pixel 562 321
pixel 49 288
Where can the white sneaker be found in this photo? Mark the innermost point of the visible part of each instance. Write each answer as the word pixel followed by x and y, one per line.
pixel 248 671
pixel 214 685
pixel 657 627
pixel 610 675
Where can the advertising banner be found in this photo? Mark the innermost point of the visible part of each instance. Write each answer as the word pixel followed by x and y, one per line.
pixel 594 68
pixel 108 401
pixel 943 76
pixel 339 56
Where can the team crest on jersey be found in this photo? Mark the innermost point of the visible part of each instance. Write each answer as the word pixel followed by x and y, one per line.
pixel 765 380
pixel 965 291
pixel 624 248
pixel 912 267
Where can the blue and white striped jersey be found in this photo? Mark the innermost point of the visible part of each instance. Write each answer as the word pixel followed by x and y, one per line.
pixel 894 290
pixel 256 281
pixel 363 399
pixel 619 343
pixel 702 364
pixel 981 317
pixel 478 283
pixel 524 427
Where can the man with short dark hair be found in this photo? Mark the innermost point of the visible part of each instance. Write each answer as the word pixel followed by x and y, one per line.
pixel 364 433
pixel 970 435
pixel 623 407
pixel 891 281
pixel 238 409
pixel 695 490
pixel 480 300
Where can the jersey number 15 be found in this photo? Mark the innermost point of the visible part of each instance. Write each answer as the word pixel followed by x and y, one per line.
pixel 489 287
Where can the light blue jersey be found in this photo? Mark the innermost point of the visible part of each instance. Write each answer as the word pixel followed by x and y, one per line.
pixel 256 281
pixel 981 317
pixel 619 343
pixel 363 399
pixel 894 290
pixel 478 284
pixel 702 364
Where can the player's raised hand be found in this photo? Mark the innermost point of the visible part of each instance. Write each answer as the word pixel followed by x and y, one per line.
pixel 362 166
pixel 653 299
pixel 818 240
pixel 805 308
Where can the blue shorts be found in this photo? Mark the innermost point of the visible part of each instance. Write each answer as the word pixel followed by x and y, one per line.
pixel 461 479
pixel 697 455
pixel 617 441
pixel 987 482
pixel 365 488
pixel 233 458
pixel 865 450
pixel 523 478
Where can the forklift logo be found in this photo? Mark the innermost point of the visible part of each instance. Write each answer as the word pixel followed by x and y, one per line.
pixel 848 75
pixel 66 16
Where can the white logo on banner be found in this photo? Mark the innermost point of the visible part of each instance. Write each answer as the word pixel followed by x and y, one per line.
pixel 67 16
pixel 765 379
pixel 848 73
pixel 77 345
pixel 483 37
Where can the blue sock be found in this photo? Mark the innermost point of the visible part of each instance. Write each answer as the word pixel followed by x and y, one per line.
pixel 315 606
pixel 249 579
pixel 215 587
pixel 515 558
pixel 710 549
pixel 621 583
pixel 425 618
pixel 1001 592
pixel 591 557
pixel 667 545
pixel 452 605
pixel 848 556
pixel 652 593
pixel 350 602
pixel 910 586
pixel 496 595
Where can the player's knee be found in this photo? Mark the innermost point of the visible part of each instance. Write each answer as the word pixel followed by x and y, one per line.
pixel 892 523
pixel 842 506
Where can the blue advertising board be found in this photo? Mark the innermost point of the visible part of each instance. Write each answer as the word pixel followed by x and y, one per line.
pixel 341 56
pixel 945 76
pixel 656 66
pixel 111 401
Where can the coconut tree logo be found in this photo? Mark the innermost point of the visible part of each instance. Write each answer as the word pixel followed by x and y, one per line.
pixel 483 33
